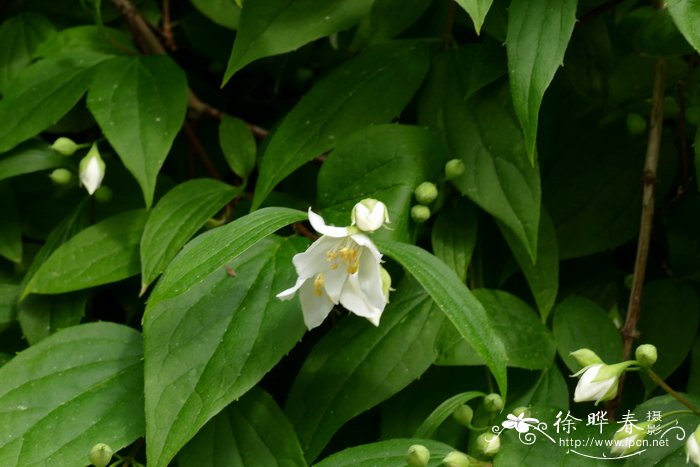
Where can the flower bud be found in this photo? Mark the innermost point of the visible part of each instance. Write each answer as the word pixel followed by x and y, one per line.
pixel 426 193
pixel 454 169
pixel 92 170
pixel 488 443
pixel 417 456
pixel 522 411
pixel 463 415
pixel 636 124
pixel 369 215
pixel 628 439
pixel 692 447
pixel 599 382
pixel 103 194
pixel 586 357
pixel 64 146
pixel 100 455
pixel 493 402
pixel 61 176
pixel 646 355
pixel 420 213
pixel 457 459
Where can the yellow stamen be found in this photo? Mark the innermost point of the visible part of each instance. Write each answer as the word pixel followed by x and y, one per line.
pixel 318 285
pixel 353 267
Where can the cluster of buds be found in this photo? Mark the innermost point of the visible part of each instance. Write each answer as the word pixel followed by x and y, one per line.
pixel 91 169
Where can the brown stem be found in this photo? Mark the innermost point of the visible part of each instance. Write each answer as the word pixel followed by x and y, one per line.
pixel 679 397
pixel 301 229
pixel 200 151
pixel 167 27
pixel 447 34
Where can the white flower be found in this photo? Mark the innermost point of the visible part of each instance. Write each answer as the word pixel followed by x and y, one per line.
pixel 599 381
pixel 92 170
pixel 521 423
pixel 628 439
pixel 692 448
pixel 369 215
pixel 343 266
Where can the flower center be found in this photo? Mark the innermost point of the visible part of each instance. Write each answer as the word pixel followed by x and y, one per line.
pixel 318 284
pixel 347 254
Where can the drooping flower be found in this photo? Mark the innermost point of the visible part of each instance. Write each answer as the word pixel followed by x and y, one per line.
pixel 599 382
pixel 521 423
pixel 692 448
pixel 342 267
pixel 92 170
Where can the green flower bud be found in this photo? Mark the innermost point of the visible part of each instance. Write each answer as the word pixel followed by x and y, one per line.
pixel 488 443
pixel 417 456
pixel 524 411
pixel 493 402
pixel 426 193
pixel 457 459
pixel 64 146
pixel 100 455
pixel 586 357
pixel 103 194
pixel 420 213
pixel 386 282
pixel 454 169
pixel 646 355
pixel 463 415
pixel 61 176
pixel 636 124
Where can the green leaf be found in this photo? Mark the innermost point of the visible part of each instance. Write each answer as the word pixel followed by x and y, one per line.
pixel 669 320
pixel 76 388
pixel 9 293
pixel 10 229
pixel 483 133
pixel 538 33
pixel 277 26
pixel 238 145
pixel 210 345
pixel 685 14
pixel 140 103
pixel 385 162
pixel 356 366
pixel 388 453
pixel 103 253
pixel 251 431
pixel 92 39
pixel 580 323
pixel 45 91
pixel 371 88
pixel 515 324
pixel 28 157
pixel 20 36
pixel 176 217
pixel 223 12
pixel 477 9
pixel 387 19
pixel 214 249
pixel 455 301
pixel 443 411
pixel 40 316
pixel 550 390
pixel 453 237
pixel 542 274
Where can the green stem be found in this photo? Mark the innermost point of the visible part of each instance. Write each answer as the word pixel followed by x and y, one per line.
pixel 676 395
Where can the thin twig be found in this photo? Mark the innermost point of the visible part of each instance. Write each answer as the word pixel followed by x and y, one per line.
pixel 301 229
pixel 629 330
pixel 200 151
pixel 679 397
pixel 447 34
pixel 167 27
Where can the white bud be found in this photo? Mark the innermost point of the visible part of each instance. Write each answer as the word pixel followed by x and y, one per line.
pixel 92 170
pixel 417 456
pixel 369 215
pixel 488 443
pixel 692 448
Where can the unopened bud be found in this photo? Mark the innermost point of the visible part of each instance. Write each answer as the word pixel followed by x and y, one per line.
pixel 454 169
pixel 369 215
pixel 522 411
pixel 488 443
pixel 463 415
pixel 92 170
pixel 64 146
pixel 420 213
pixel 417 456
pixel 459 459
pixel 493 402
pixel 636 124
pixel 61 176
pixel 646 355
pixel 100 455
pixel 103 194
pixel 426 193
pixel 586 357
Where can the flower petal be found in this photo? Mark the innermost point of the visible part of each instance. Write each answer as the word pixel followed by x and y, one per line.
pixel 313 260
pixel 354 300
pixel 315 307
pixel 370 281
pixel 334 281
pixel 364 241
pixel 289 293
pixel 320 226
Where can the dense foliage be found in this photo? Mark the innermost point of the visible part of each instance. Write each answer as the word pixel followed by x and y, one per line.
pixel 157 163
